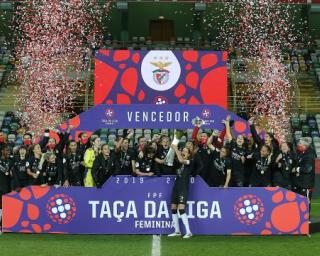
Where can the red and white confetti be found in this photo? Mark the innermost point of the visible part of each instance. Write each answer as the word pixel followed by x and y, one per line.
pixel 53 39
pixel 261 29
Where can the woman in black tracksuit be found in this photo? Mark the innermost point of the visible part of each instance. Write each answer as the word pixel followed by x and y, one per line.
pixel 4 174
pixel 268 141
pixel 52 170
pixel 238 153
pixel 104 166
pixel 179 195
pixel 145 163
pixel 220 162
pixel 285 161
pixel 73 166
pixel 33 170
pixel 19 169
pixel 304 180
pixel 261 172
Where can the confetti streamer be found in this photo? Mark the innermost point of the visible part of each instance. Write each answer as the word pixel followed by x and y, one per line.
pixel 261 29
pixel 53 40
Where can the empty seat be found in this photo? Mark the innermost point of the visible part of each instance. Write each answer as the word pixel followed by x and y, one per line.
pixel 111 137
pixel 312 124
pixel 120 132
pixel 103 131
pixel 305 130
pixel 104 137
pixel 314 134
pixel 316 144
pixel 5 130
pixel 147 131
pixel 316 139
pixel 303 117
pixel 164 131
pixel 147 136
pixel 156 131
pixel 138 132
pixel 297 135
pixel 295 122
pixel 113 131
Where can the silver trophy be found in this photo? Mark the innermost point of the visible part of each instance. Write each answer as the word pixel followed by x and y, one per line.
pixel 171 153
pixel 197 121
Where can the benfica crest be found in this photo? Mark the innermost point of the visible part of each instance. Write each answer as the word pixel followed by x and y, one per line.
pixel 161 75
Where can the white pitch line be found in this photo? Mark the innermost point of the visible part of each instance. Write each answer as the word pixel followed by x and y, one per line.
pixel 156 245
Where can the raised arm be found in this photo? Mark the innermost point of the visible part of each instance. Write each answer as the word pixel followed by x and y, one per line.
pixel 44 140
pixel 195 134
pixel 64 138
pixel 179 156
pixel 254 133
pixel 209 142
pixel 228 129
pixel 118 145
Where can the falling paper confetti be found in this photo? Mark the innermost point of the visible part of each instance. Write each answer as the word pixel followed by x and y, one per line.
pixel 260 30
pixel 54 38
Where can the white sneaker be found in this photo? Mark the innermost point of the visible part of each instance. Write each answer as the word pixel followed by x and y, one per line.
pixel 174 234
pixel 186 236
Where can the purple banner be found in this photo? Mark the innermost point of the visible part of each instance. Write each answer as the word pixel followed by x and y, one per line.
pixel 153 117
pixel 141 205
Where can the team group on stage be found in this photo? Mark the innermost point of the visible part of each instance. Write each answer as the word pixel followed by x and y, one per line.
pixel 219 158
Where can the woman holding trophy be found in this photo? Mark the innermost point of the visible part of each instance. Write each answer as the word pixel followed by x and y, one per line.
pixel 180 190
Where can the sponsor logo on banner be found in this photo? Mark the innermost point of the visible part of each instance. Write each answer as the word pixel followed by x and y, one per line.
pixel 161 75
pixel 206 113
pixel 160 70
pixel 160 100
pixel 61 208
pixel 109 114
pixel 249 209
pixel 207 117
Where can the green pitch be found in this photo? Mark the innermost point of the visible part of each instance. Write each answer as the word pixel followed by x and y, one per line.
pixel 101 245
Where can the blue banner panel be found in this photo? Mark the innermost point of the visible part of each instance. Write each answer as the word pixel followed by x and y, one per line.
pixel 141 205
pixel 146 116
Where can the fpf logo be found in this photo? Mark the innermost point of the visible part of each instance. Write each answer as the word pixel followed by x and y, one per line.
pixel 109 113
pixel 206 113
pixel 61 208
pixel 249 209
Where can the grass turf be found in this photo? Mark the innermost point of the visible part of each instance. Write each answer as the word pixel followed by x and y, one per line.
pixel 78 245
pixel 43 245
pixel 246 246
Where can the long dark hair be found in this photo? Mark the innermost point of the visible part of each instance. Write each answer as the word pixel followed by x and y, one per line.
pixel 68 147
pixel 3 148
